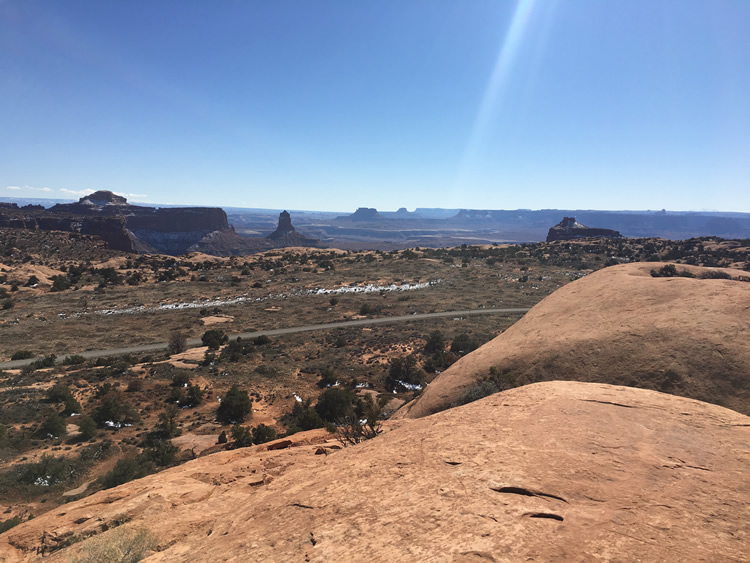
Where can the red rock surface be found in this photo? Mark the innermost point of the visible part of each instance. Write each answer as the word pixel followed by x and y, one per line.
pixel 620 325
pixel 555 471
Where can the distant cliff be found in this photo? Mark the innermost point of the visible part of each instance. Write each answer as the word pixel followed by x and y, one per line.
pixel 570 229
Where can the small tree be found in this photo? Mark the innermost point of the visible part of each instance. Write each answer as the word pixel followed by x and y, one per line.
pixel 263 434
pixel 241 436
pixel 177 343
pixel 52 426
pixel 114 408
pixel 168 422
pixel 87 427
pixel 222 438
pixel 435 342
pixel 214 338
pixel 334 404
pixel 194 396
pixel 235 406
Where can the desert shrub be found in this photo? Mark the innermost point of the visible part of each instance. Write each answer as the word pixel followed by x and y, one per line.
pixel 715 275
pixel 161 452
pixel 333 301
pixel 222 438
pixel 235 406
pixel 52 426
pixel 463 344
pixel 87 427
pixel 327 378
pixel 334 404
pixel 669 271
pixel 134 385
pixel 368 309
pixel 404 373
pixel 113 407
pixel 124 471
pixel 22 355
pixel 241 436
pixel 123 544
pixel 262 340
pixel 6 525
pixel 304 416
pixel 180 379
pixel 440 361
pixel 263 434
pixel 234 350
pixel 177 343
pixel 363 424
pixel 8 304
pixel 73 360
pixel 168 424
pixel 193 397
pixel 495 382
pixel 435 342
pixel 58 393
pixel 60 283
pixel 176 395
pixel 214 338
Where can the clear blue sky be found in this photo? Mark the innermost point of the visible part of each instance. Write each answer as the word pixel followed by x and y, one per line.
pixel 333 105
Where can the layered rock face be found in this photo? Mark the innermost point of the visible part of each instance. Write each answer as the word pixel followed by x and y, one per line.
pixel 570 229
pixel 110 229
pixel 686 336
pixel 556 471
pixel 167 230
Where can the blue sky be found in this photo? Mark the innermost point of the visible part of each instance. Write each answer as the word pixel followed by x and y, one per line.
pixel 333 105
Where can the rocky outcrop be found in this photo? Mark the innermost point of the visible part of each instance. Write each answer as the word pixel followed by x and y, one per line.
pixel 285 226
pixel 286 235
pixel 570 229
pixel 686 336
pixel 110 229
pixel 555 471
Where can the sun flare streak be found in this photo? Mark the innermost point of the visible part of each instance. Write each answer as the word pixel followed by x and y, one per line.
pixel 492 98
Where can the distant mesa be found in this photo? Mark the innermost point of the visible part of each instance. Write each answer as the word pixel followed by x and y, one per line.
pixel 570 229
pixel 361 215
pixel 134 228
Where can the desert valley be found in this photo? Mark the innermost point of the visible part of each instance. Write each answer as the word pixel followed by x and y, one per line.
pixel 275 398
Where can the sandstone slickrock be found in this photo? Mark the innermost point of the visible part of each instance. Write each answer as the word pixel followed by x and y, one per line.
pixel 570 229
pixel 687 336
pixel 555 471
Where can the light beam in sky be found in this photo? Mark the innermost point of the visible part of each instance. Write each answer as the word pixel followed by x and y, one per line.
pixel 492 98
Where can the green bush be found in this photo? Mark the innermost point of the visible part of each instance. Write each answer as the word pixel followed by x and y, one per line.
pixel 334 404
pixel 87 427
pixel 235 406
pixel 214 338
pixel 263 434
pixel 52 426
pixel 22 355
pixel 241 436
pixel 113 407
pixel 404 373
pixel 125 470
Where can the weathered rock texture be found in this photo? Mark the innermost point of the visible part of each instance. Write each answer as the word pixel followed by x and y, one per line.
pixel 557 471
pixel 570 229
pixel 687 336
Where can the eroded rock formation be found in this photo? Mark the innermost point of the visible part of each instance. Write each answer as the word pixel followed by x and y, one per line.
pixel 570 229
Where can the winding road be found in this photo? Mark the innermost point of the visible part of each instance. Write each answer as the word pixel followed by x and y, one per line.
pixel 192 342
